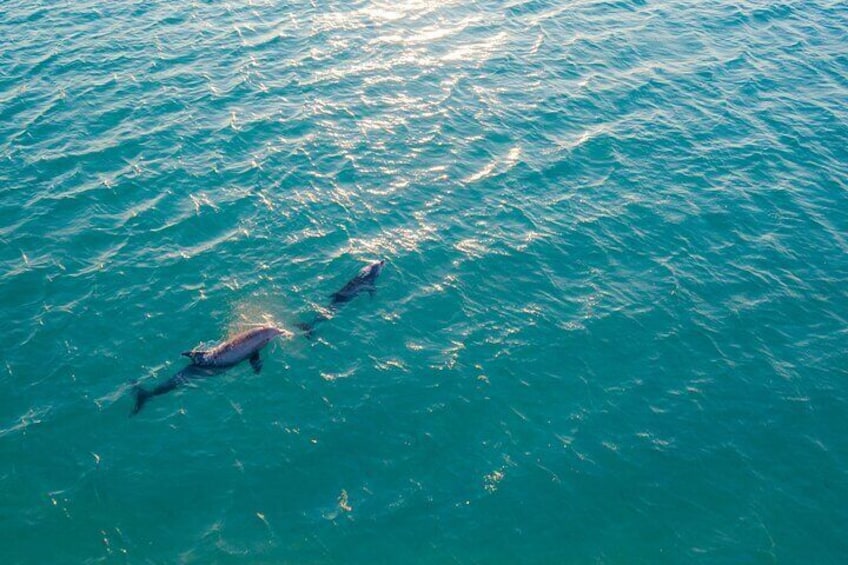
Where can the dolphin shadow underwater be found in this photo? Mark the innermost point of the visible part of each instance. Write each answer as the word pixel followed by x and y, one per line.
pixel 210 362
pixel 364 281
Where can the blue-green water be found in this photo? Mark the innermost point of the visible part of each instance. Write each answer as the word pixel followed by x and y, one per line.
pixel 612 327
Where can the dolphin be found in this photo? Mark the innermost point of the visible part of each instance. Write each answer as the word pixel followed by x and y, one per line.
pixel 208 362
pixel 364 281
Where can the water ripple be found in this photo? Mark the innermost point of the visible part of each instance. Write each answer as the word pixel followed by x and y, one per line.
pixel 616 247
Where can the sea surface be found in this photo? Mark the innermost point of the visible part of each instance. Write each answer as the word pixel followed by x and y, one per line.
pixel 612 326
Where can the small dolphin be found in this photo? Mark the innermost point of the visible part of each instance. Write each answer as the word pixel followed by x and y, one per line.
pixel 204 363
pixel 364 281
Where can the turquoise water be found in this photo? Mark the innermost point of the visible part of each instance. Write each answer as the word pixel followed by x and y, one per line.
pixel 612 325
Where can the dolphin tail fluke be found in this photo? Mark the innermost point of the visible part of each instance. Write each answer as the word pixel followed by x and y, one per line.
pixel 307 329
pixel 141 397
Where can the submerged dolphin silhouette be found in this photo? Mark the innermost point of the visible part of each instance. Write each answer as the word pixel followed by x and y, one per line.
pixel 364 281
pixel 204 363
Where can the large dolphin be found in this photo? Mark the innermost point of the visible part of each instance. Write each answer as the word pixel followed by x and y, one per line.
pixel 208 362
pixel 364 281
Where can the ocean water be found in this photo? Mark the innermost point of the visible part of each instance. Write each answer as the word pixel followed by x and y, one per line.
pixel 612 328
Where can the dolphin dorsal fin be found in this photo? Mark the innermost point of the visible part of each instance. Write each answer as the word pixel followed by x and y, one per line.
pixel 193 353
